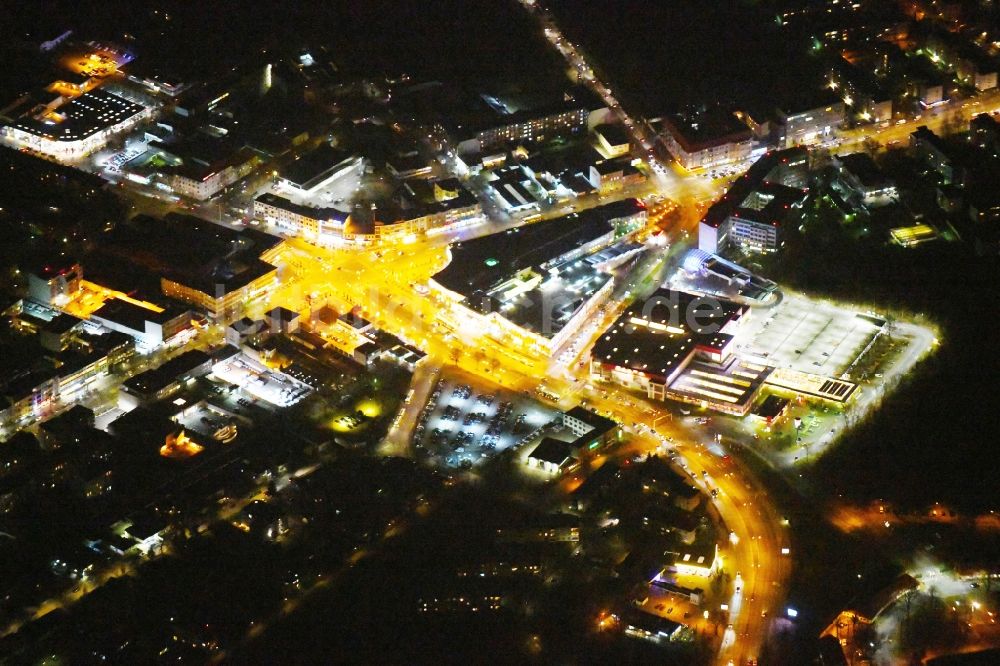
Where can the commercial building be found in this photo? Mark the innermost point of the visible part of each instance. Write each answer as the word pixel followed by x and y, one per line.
pixel 705 139
pixel 590 428
pixel 552 456
pixel 914 235
pixel 612 140
pixel 697 561
pixel 149 328
pixel 646 626
pixel 317 169
pixel 33 392
pixel 223 294
pixel 320 224
pixel 751 214
pixel 71 129
pixel 810 119
pixel 680 346
pixel 537 284
pixel 55 335
pixel 516 188
pixel 419 207
pixel 588 431
pixel 202 167
pixel 168 378
pixel 216 269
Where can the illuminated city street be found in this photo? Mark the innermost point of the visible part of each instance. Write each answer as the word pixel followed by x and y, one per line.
pixel 547 331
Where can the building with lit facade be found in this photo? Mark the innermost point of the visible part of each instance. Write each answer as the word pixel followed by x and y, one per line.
pixel 149 328
pixel 860 178
pixel 33 393
pixel 217 270
pixel 612 140
pixel 702 562
pixel 706 139
pixel 529 127
pixel 679 346
pixel 750 216
pixel 223 296
pixel 318 224
pixel 71 129
pixel 810 119
pixel 198 178
pixel 165 380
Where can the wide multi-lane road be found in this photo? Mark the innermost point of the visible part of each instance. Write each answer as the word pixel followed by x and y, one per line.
pixel 381 283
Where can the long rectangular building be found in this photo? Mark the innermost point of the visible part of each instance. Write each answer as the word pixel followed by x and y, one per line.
pixel 73 129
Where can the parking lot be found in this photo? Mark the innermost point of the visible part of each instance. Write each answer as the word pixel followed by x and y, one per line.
pixel 461 424
pixel 808 336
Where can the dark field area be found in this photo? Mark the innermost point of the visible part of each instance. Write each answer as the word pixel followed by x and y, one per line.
pixel 933 438
pixel 665 55
pixel 492 43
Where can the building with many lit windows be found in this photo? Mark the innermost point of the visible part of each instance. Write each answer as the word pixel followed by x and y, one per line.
pixel 420 207
pixel 201 178
pixel 530 127
pixel 319 224
pixel 705 139
pixel 34 392
pixel 223 295
pixel 750 216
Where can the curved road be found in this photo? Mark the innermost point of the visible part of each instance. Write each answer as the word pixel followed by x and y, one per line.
pixel 382 287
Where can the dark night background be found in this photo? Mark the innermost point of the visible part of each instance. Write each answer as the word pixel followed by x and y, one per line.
pixel 934 439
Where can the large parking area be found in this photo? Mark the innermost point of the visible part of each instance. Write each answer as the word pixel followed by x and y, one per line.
pixel 462 424
pixel 808 336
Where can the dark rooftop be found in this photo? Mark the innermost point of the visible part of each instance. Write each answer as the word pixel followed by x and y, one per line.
pixel 771 407
pixel 697 130
pixel 152 381
pixel 551 450
pixel 681 320
pixel 479 264
pixel 600 424
pixel 863 167
pixel 81 117
pixel 310 169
